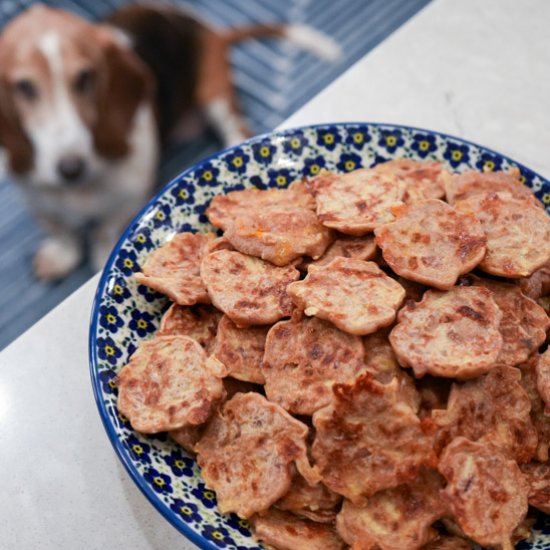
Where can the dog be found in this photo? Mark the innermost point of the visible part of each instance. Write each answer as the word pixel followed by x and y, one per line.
pixel 86 108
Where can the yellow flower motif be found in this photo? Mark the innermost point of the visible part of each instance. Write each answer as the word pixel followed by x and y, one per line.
pixel 391 141
pixel 237 162
pixel 208 176
pixel 424 145
pixel 109 350
pixel 160 216
pixel 179 464
pixel 117 289
pixel 315 169
pixel 456 155
pixel 140 239
pixel 186 510
pixel 546 198
pixel 159 481
pixel 358 137
pixel 328 139
pixel 244 524
pixel 217 535
pixel 112 384
pixel 349 165
pixel 295 143
pixel 111 318
pixel 138 449
pixel 183 194
pixel 122 418
pixel 142 324
pixel 281 180
pixel 522 179
pixel 209 495
pixel 488 166
pixel 128 264
pixel 264 151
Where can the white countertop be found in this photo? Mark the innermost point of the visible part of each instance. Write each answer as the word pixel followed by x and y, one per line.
pixel 478 70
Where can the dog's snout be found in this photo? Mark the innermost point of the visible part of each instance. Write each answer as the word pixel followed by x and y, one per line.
pixel 71 168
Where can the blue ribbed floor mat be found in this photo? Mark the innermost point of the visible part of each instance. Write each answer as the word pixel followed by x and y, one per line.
pixel 273 78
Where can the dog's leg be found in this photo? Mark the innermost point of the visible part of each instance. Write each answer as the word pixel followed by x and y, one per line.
pixel 215 94
pixel 57 256
pixel 226 120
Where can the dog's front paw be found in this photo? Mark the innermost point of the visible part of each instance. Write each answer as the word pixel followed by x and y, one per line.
pixel 56 258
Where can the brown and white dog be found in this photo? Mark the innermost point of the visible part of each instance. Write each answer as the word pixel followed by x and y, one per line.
pixel 85 109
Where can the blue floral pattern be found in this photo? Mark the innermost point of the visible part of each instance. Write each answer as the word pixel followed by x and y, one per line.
pixel 183 194
pixel 349 162
pixel 125 313
pixel 357 137
pixel 263 151
pixel 488 162
pixel 142 323
pixel 328 138
pixel 456 154
pixel 109 318
pixel 142 239
pixel 424 144
pixel 207 174
pixel 237 160
pixel 391 140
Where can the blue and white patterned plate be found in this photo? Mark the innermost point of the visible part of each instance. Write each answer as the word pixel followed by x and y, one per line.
pixel 125 313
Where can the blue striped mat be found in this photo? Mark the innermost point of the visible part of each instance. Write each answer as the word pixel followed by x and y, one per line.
pixel 273 79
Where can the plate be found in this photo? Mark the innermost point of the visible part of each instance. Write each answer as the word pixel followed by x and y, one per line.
pixel 125 313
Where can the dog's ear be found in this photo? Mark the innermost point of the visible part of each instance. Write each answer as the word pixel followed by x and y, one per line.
pixel 12 135
pixel 126 83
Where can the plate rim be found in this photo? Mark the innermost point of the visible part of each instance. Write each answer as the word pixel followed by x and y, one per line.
pixel 148 492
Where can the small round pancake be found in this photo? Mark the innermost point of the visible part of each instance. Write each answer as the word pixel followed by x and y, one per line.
pixel 356 296
pixel 492 408
pixel 518 233
pixel 188 436
pixel 304 359
pixel 395 519
pixel 361 248
pixel 540 420
pixel 538 477
pixel 357 202
pixel 279 235
pixel 543 379
pixel 315 502
pixel 248 451
pixel 381 362
pixel 173 269
pixel 454 334
pixel 423 180
pixel 248 290
pixel 199 322
pixel 168 384
pixel 369 439
pixel 241 350
pixel 485 491
pixel 284 531
pixel 432 243
pixel 524 323
pixel 225 208
pixel 468 184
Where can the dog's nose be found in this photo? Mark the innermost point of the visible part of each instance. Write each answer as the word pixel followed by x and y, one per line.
pixel 71 168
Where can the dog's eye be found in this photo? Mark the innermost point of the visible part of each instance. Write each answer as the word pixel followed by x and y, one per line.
pixel 84 81
pixel 26 89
